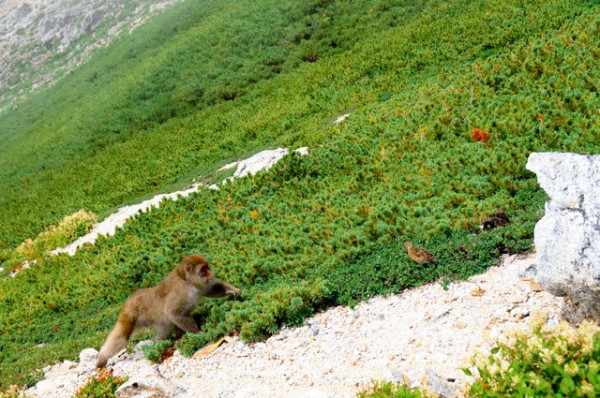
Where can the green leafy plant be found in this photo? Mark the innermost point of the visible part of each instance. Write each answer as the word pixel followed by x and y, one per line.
pixel 381 389
pixel 190 343
pixel 558 361
pixel 102 385
pixel 158 351
pixel 11 393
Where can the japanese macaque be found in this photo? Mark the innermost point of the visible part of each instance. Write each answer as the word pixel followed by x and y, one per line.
pixel 166 304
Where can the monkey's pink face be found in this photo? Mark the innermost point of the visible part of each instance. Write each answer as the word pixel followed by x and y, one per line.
pixel 206 272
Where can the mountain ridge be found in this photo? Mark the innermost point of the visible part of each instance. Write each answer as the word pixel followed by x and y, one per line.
pixel 42 40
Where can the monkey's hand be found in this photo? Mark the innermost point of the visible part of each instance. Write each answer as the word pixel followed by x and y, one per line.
pixel 236 294
pixel 219 288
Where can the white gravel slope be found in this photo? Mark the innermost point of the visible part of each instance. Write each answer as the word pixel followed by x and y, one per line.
pixel 422 330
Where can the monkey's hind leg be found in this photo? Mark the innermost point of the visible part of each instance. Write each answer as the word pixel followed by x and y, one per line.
pixel 117 340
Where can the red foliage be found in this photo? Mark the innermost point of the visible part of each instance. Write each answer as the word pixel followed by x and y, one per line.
pixel 480 135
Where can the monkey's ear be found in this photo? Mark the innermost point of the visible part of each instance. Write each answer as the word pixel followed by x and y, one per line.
pixel 188 268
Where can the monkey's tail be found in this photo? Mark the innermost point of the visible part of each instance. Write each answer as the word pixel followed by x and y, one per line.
pixel 117 339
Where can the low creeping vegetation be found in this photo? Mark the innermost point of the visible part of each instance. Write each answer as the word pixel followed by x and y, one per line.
pixel 102 385
pixel 558 361
pixel 158 351
pixel 68 230
pixel 419 79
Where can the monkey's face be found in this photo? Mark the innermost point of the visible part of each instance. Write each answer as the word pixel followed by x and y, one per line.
pixel 205 272
pixel 199 275
pixel 197 270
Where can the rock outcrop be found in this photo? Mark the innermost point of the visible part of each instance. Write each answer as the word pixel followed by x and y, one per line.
pixel 567 238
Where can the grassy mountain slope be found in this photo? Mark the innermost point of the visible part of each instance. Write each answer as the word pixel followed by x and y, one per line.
pixel 321 229
pixel 171 107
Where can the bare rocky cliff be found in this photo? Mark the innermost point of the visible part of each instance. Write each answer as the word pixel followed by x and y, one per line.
pixel 41 40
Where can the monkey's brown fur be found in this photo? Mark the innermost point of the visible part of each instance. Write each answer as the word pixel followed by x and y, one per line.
pixel 168 303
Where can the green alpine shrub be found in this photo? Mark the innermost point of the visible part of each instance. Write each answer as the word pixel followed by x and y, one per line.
pixel 546 361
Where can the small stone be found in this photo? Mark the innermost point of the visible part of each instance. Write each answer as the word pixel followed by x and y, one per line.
pixel 519 312
pixel 535 287
pixel 139 390
pixel 395 376
pixel 302 151
pixel 439 385
pixel 441 313
pixel 88 355
pixel 529 272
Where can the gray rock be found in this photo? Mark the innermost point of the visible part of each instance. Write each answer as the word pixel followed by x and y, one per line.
pixel 22 11
pixel 395 376
pixel 529 272
pixel 520 312
pixel 149 386
pixel 138 389
pixel 88 355
pixel 438 385
pixel 567 238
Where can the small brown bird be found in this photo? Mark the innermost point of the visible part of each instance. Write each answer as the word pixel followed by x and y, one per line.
pixel 498 219
pixel 420 255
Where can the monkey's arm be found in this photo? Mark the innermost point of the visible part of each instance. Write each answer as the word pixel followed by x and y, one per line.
pixel 217 288
pixel 184 322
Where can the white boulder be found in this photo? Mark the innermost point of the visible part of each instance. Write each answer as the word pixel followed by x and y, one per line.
pixel 567 238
